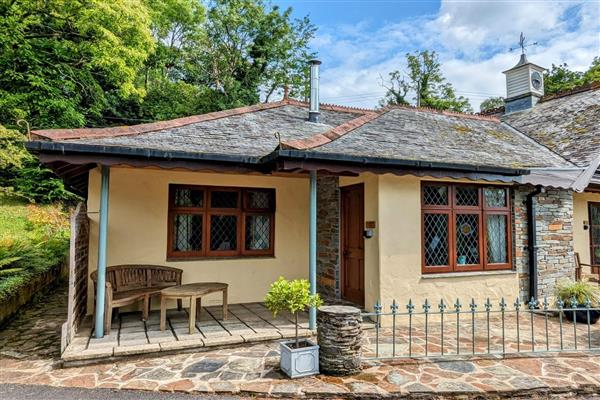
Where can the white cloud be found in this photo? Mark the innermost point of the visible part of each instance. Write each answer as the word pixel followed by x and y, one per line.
pixel 472 39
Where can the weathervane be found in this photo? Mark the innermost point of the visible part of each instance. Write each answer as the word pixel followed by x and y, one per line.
pixel 522 44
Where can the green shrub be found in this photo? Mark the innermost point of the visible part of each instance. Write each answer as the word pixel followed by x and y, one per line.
pixel 293 296
pixel 581 291
pixel 33 239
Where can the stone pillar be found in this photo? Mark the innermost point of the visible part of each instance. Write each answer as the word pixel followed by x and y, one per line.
pixel 339 334
pixel 328 237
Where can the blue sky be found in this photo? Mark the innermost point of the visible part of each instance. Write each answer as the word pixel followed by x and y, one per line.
pixel 361 41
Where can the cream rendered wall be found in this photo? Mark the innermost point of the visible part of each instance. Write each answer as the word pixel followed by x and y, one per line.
pixel 138 207
pixel 400 255
pixel 581 237
pixel 372 278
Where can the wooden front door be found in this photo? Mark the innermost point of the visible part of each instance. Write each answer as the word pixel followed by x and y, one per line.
pixel 352 244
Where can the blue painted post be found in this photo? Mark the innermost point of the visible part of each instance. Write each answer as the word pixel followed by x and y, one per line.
pixel 102 233
pixel 312 245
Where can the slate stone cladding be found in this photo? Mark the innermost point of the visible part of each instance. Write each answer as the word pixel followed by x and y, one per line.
pixel 328 237
pixel 554 233
pixel 340 338
pixel 520 241
pixel 554 229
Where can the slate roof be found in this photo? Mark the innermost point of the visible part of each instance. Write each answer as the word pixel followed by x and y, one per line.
pixel 250 131
pixel 568 124
pixel 558 133
pixel 427 135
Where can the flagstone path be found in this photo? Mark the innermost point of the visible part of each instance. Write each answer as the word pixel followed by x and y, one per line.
pixel 29 349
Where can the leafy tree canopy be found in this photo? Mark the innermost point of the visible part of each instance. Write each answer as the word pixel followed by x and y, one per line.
pixel 560 78
pixel 64 61
pixel 21 174
pixel 424 78
pixel 491 103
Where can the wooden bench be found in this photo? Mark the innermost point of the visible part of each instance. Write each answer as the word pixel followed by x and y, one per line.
pixel 129 284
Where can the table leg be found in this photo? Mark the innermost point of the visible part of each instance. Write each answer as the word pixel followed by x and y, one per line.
pixel 198 308
pixel 225 304
pixel 192 315
pixel 163 312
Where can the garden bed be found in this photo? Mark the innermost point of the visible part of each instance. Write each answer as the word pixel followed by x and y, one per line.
pixel 34 241
pixel 26 288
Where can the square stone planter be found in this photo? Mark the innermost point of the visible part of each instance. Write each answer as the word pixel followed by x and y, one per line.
pixel 300 362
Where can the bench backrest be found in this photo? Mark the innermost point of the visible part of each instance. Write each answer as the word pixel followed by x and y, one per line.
pixel 131 277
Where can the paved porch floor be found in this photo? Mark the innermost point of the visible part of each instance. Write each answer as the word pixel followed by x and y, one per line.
pixel 30 354
pixel 129 335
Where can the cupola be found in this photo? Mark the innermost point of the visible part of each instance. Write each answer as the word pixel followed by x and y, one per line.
pixel 524 85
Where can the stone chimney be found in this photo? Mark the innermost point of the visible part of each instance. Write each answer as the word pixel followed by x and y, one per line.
pixel 524 85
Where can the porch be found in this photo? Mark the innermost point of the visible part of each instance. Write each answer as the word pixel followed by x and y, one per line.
pixel 129 335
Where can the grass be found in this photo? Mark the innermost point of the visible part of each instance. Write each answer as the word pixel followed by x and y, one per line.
pixel 33 240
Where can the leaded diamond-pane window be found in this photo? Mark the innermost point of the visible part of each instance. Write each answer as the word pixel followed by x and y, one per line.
pixel 467 196
pixel 188 197
pixel 259 199
pixel 224 199
pixel 211 221
pixel 495 197
pixel 454 238
pixel 497 246
pixel 187 233
pixel 258 232
pixel 436 239
pixel 467 239
pixel 435 195
pixel 223 232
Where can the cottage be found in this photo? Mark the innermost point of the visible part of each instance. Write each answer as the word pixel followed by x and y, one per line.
pixel 368 204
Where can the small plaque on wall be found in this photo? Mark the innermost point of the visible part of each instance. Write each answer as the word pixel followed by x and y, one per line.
pixel 370 224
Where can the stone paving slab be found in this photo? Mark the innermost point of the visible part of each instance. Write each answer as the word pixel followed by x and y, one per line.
pixel 253 370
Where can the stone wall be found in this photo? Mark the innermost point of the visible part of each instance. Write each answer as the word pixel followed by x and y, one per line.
pixel 328 237
pixel 554 228
pixel 520 242
pixel 554 237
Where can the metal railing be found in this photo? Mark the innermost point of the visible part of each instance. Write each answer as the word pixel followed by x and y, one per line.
pixel 449 331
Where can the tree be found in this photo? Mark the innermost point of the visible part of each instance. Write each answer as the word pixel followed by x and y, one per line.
pixel 491 103
pixel 560 78
pixel 423 78
pixel 252 47
pixel 21 173
pixel 63 61
pixel 293 296
pixel 593 73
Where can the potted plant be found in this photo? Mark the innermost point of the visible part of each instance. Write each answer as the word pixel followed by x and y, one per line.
pixel 582 292
pixel 298 357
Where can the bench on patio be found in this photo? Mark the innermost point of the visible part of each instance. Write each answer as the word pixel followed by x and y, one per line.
pixel 129 284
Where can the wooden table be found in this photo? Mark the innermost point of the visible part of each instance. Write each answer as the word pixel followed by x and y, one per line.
pixel 193 292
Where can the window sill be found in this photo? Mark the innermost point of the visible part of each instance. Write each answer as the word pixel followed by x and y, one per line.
pixel 468 273
pixel 184 259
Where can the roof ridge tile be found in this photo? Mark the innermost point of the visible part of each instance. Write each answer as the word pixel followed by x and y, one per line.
pixel 337 132
pixel 444 112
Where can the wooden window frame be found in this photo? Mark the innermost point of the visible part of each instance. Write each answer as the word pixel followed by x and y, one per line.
pixel 207 212
pixel 452 209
